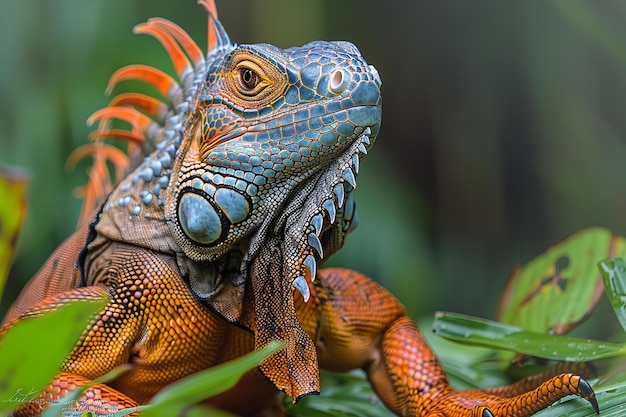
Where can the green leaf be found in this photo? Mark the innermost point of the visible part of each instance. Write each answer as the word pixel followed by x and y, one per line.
pixel 614 275
pixel 205 411
pixel 33 349
pixel 496 335
pixel 12 212
pixel 202 385
pixel 558 289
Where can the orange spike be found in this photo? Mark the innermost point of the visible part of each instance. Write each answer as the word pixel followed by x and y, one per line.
pixel 98 186
pixel 91 196
pixel 141 101
pixel 209 6
pixel 100 183
pixel 100 151
pixel 126 135
pixel 137 119
pixel 178 57
pixel 189 45
pixel 157 78
pixel 99 179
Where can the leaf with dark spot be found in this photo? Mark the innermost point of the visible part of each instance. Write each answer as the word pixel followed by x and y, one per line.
pixel 557 290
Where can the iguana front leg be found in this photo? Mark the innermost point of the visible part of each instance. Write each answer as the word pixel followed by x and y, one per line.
pixel 357 324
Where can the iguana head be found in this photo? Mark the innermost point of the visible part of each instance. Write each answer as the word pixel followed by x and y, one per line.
pixel 273 145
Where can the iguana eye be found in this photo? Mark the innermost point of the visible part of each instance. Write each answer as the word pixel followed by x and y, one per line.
pixel 248 79
pixel 253 80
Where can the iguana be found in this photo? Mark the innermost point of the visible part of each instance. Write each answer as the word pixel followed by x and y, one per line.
pixel 236 187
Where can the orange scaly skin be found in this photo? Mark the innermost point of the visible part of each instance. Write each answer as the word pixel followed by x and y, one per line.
pixel 207 248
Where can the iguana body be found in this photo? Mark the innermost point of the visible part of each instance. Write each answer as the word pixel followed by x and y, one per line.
pixel 245 189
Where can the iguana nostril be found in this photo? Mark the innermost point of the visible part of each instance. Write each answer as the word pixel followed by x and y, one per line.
pixel 376 75
pixel 339 81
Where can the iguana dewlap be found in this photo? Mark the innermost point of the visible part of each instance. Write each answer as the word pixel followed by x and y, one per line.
pixel 208 248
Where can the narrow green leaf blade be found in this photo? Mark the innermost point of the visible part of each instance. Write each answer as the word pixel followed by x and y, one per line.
pixel 33 349
pixel 204 411
pixel 614 275
pixel 205 384
pixel 488 333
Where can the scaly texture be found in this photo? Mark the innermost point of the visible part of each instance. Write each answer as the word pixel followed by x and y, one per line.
pixel 231 191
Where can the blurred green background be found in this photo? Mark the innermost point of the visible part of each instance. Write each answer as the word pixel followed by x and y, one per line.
pixel 503 124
